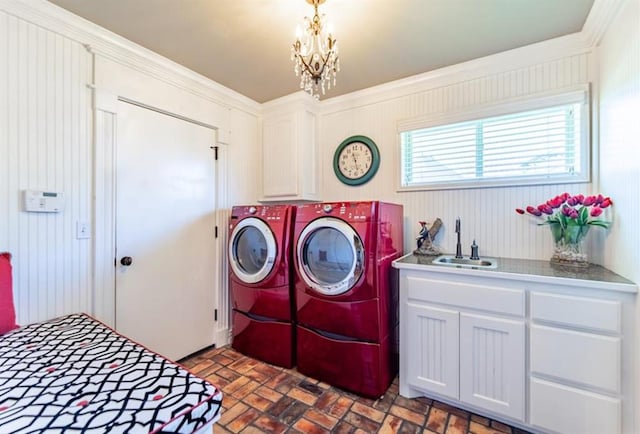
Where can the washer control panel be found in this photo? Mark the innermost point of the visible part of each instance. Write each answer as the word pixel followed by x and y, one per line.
pixel 265 212
pixel 354 211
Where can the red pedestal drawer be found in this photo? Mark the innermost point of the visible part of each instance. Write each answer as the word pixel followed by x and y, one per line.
pixel 360 367
pixel 269 341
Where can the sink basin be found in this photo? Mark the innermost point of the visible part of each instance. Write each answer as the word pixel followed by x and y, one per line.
pixel 452 261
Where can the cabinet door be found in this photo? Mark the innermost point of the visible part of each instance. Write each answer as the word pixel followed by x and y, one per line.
pixel 279 157
pixel 432 349
pixel 290 159
pixel 492 371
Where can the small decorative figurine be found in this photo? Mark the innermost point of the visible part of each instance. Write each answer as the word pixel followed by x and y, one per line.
pixel 424 240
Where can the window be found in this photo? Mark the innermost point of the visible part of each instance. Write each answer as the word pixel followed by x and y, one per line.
pixel 543 145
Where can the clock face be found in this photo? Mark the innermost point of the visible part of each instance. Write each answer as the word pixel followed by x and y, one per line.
pixel 356 160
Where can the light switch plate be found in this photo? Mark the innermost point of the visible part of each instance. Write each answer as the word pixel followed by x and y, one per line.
pixel 83 231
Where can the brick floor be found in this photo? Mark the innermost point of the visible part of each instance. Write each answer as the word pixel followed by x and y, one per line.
pixel 262 398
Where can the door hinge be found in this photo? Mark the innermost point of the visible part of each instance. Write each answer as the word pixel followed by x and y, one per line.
pixel 216 232
pixel 215 314
pixel 215 152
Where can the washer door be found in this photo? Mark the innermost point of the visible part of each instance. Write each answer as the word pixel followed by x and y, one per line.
pixel 330 256
pixel 252 250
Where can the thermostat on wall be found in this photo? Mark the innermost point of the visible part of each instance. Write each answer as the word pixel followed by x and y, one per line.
pixel 43 201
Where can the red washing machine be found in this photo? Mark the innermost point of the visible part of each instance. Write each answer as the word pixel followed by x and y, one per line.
pixel 346 293
pixel 260 284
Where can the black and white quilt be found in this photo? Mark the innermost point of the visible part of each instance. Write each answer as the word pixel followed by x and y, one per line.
pixel 74 374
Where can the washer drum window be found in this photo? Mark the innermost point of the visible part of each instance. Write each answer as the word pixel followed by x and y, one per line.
pixel 252 250
pixel 330 255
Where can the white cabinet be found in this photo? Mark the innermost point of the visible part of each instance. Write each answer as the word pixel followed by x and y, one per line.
pixel 455 352
pixel 290 150
pixel 492 369
pixel 576 363
pixel 550 354
pixel 433 349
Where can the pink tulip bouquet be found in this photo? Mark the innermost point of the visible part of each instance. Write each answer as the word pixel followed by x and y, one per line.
pixel 569 218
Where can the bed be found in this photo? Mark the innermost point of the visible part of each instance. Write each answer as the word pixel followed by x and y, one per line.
pixel 75 374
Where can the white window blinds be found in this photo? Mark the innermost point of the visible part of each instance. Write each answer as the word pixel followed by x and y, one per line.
pixel 544 145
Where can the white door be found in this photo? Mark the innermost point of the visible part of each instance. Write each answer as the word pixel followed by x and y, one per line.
pixel 165 204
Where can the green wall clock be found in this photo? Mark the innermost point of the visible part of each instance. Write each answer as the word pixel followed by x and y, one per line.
pixel 356 160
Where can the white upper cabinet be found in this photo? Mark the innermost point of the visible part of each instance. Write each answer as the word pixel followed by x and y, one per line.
pixel 290 149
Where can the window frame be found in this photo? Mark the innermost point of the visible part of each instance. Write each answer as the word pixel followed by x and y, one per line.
pixel 580 95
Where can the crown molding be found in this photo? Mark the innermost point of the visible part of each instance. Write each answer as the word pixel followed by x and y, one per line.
pixel 299 98
pixel 599 19
pixel 596 25
pixel 112 46
pixel 510 60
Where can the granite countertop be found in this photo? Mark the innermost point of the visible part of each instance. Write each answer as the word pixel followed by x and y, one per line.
pixel 594 276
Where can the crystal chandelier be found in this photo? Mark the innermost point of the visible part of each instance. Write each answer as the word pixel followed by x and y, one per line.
pixel 315 54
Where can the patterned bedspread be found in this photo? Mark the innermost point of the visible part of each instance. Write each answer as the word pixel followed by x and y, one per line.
pixel 74 374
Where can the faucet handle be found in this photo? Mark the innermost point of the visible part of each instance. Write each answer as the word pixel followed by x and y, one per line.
pixel 458 225
pixel 474 251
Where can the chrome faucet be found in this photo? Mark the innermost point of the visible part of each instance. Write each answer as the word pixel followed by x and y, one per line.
pixel 458 245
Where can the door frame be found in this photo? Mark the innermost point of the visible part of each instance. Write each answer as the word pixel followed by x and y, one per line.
pixel 105 111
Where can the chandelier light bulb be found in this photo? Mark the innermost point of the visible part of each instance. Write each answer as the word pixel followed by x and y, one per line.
pixel 315 54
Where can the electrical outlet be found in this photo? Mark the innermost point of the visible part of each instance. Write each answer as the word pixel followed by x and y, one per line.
pixel 82 230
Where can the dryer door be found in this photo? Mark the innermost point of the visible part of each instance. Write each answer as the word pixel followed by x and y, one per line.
pixel 252 250
pixel 330 256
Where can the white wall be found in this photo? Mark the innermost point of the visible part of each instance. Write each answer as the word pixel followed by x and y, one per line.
pixel 45 144
pixel 48 58
pixel 244 167
pixel 487 214
pixel 619 60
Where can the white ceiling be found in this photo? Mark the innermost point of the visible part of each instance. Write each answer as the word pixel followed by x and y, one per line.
pixel 245 44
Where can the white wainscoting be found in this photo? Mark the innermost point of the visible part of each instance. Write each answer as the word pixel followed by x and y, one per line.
pixel 48 142
pixel 487 214
pixel 45 138
pixel 619 61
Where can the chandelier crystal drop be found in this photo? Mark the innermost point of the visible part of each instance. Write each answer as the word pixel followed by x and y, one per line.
pixel 315 54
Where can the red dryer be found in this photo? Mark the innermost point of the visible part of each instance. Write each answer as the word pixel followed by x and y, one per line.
pixel 346 296
pixel 260 284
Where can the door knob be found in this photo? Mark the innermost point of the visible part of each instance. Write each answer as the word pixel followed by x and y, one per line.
pixel 126 261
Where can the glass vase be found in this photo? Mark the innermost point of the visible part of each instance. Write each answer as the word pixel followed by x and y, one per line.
pixel 570 253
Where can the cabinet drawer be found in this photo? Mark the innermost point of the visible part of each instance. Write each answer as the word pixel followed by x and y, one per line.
pixel 600 315
pixel 567 410
pixel 584 358
pixel 480 297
